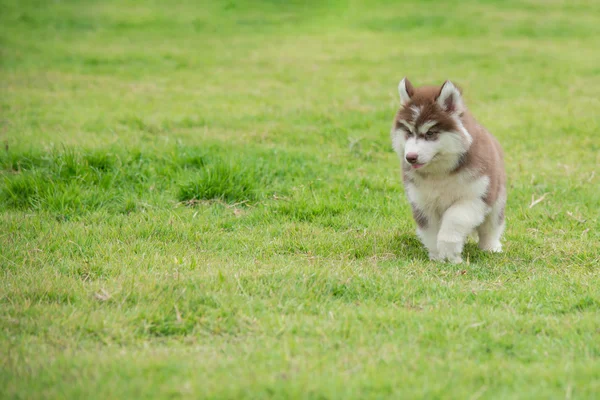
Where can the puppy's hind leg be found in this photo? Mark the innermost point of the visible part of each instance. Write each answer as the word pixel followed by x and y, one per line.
pixel 490 232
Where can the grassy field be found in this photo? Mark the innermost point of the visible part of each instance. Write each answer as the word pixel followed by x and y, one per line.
pixel 200 200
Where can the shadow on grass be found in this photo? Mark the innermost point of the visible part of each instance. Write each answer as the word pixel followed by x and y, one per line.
pixel 408 246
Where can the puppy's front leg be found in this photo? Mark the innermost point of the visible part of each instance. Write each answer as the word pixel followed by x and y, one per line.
pixel 457 222
pixel 427 230
pixel 428 236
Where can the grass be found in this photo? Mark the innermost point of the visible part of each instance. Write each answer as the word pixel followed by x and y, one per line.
pixel 200 200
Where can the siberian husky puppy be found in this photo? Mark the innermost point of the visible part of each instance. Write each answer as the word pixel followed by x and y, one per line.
pixel 452 168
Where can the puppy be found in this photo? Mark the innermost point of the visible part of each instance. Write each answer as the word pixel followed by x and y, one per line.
pixel 452 168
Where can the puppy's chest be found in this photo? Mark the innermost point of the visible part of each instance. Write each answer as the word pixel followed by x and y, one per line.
pixel 437 194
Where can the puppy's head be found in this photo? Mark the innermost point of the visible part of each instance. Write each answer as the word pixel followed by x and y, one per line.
pixel 428 132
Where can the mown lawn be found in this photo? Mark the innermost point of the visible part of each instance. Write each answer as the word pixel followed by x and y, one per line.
pixel 200 200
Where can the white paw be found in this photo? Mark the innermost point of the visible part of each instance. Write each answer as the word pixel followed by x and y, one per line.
pixel 450 251
pixel 434 256
pixel 493 248
pixel 454 259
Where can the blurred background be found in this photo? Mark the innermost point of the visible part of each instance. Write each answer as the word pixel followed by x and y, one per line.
pixel 248 100
pixel 89 71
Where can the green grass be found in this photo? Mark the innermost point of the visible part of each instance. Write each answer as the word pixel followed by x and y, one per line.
pixel 200 200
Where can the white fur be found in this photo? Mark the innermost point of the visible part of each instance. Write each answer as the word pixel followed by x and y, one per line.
pixel 425 126
pixel 398 141
pixel 408 125
pixel 453 207
pixel 404 97
pixel 416 111
pixel 446 149
pixel 462 129
pixel 428 237
pixel 425 150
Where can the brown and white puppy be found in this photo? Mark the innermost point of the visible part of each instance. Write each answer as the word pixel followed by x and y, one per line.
pixel 453 171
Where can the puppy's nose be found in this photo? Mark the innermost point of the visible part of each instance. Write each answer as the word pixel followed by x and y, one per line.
pixel 412 157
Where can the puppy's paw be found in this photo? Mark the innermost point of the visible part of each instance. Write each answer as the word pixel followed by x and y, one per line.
pixel 450 251
pixel 454 259
pixel 492 248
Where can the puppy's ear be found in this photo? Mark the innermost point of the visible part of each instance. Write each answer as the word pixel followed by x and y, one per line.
pixel 450 99
pixel 406 90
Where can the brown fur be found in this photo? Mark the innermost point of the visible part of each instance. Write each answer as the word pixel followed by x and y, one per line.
pixel 485 157
pixel 424 98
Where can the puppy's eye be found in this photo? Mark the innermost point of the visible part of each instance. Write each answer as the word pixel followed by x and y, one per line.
pixel 405 130
pixel 431 133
